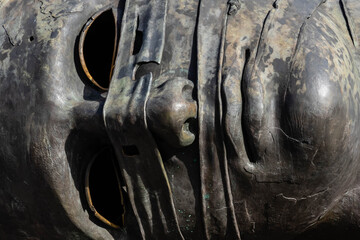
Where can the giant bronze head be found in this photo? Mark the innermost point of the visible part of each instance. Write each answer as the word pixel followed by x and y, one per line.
pixel 179 119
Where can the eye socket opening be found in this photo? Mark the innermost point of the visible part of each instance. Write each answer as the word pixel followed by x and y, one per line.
pixel 98 47
pixel 103 189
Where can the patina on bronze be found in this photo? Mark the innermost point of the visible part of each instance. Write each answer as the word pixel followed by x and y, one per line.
pixel 180 119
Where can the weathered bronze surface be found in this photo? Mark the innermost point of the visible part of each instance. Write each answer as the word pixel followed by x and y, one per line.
pixel 179 119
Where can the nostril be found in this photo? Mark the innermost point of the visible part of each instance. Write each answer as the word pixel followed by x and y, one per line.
pixel 187 133
pixel 187 92
pixel 190 125
pixel 171 111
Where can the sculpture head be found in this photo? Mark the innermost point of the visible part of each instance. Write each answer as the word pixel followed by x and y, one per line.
pixel 179 119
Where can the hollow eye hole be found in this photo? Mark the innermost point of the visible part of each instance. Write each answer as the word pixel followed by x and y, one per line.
pixel 97 48
pixel 104 189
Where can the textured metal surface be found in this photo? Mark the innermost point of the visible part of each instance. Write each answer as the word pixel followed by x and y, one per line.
pixel 229 119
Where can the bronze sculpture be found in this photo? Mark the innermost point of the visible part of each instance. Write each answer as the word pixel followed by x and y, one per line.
pixel 210 119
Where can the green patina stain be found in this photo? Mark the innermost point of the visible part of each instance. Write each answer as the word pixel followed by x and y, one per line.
pixel 207 196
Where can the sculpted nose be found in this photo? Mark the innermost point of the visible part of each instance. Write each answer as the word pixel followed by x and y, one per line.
pixel 171 111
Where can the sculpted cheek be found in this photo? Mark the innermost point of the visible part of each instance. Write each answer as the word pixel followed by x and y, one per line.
pixel 313 92
pixel 316 115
